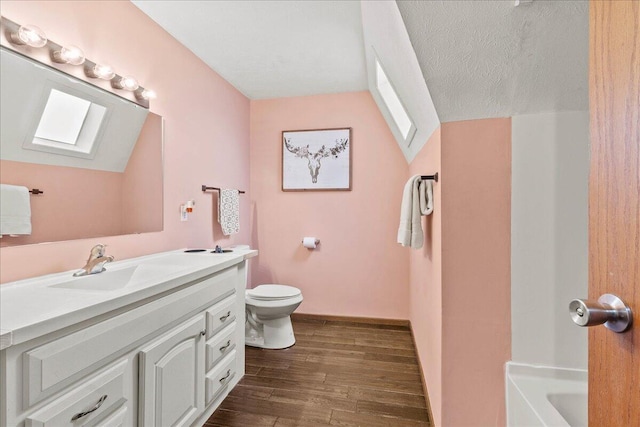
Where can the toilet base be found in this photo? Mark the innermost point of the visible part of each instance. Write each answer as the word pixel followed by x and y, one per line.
pixel 273 334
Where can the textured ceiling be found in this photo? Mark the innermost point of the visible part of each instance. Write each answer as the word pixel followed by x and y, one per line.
pixel 479 58
pixel 271 49
pixel 491 59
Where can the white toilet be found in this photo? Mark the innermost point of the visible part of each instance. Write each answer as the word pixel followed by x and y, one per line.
pixel 269 308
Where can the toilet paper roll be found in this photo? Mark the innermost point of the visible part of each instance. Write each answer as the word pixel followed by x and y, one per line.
pixel 310 242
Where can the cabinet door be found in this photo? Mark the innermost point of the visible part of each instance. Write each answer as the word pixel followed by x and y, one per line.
pixel 172 376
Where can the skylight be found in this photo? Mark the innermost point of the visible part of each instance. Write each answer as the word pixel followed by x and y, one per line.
pixel 62 118
pixel 394 105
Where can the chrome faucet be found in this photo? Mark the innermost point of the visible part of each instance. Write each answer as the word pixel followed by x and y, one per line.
pixel 95 263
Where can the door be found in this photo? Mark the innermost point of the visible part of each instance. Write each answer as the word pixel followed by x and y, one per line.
pixel 172 376
pixel 614 207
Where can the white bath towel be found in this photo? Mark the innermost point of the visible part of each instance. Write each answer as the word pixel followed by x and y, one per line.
pixel 15 210
pixel 229 211
pixel 417 200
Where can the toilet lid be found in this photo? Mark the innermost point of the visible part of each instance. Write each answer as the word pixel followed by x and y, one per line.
pixel 273 292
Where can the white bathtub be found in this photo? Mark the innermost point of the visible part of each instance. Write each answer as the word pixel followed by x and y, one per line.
pixel 540 396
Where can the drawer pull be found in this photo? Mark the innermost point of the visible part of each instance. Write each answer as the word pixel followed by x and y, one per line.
pixel 203 332
pixel 226 376
pixel 95 408
pixel 226 346
pixel 226 316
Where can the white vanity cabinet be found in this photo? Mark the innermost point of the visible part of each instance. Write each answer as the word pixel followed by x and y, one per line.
pixel 166 360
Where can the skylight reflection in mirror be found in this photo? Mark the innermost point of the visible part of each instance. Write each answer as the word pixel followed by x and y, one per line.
pixel 62 118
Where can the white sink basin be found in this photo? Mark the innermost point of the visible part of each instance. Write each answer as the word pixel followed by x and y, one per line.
pixel 145 274
pixel 129 277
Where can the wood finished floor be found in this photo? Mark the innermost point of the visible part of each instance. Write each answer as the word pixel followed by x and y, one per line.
pixel 338 373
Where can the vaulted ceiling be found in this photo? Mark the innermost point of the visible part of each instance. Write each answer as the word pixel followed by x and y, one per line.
pixel 479 58
pixel 271 49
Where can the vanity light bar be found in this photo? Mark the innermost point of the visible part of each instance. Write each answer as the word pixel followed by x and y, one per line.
pixel 33 36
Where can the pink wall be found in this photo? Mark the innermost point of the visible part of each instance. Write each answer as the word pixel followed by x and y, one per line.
pixel 425 282
pixel 142 181
pixel 67 210
pixel 206 128
pixel 476 270
pixel 460 282
pixel 358 270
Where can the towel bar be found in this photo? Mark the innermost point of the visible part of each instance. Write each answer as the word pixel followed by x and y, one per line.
pixel 205 188
pixel 433 177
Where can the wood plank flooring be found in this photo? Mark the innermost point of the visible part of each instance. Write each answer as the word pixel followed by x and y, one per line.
pixel 338 373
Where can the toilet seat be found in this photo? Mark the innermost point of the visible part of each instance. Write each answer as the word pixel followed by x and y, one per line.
pixel 273 292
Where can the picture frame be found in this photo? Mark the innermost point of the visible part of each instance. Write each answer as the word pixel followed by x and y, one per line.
pixel 316 159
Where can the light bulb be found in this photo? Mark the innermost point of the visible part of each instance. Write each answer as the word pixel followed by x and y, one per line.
pixel 69 55
pixel 29 35
pixel 100 71
pixel 126 83
pixel 149 94
pixel 143 93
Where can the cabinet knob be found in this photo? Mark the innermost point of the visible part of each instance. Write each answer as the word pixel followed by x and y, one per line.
pixel 203 332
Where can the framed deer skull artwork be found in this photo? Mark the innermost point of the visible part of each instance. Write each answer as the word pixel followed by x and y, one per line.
pixel 318 159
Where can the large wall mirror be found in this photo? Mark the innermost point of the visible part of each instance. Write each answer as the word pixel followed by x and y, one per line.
pixel 96 157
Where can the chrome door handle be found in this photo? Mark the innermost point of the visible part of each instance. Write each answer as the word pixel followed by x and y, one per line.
pixel 609 309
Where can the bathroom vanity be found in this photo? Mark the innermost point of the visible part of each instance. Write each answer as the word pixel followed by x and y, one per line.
pixel 153 341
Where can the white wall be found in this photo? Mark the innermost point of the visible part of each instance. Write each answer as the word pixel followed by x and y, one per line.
pixel 549 245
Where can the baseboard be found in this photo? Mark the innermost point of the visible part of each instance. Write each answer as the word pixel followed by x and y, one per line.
pixel 424 384
pixel 364 320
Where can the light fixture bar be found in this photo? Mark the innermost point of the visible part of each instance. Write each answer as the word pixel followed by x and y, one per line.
pixel 71 55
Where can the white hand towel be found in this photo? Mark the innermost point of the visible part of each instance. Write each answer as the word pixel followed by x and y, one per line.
pixel 15 210
pixel 417 200
pixel 229 211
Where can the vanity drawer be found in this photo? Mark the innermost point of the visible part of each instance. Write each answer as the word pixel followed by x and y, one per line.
pixel 218 379
pixel 221 345
pixel 220 315
pixel 99 395
pixel 51 367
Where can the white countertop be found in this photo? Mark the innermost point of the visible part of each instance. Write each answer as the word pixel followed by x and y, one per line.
pixel 34 307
